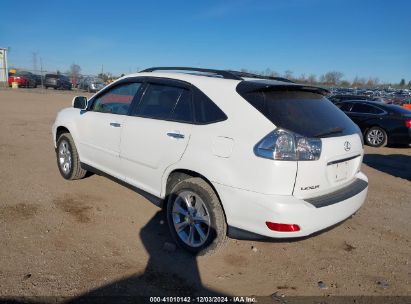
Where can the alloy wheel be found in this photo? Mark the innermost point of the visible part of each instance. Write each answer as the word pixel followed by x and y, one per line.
pixel 191 218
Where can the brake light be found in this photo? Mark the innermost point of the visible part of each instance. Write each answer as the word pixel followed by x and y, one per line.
pixel 408 123
pixel 283 227
pixel 286 145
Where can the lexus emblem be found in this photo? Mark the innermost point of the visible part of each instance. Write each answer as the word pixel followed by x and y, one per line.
pixel 347 146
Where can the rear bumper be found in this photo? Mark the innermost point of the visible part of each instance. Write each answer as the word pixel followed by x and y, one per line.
pixel 248 211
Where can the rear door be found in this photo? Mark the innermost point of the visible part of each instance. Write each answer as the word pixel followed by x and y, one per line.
pixel 156 134
pixel 101 126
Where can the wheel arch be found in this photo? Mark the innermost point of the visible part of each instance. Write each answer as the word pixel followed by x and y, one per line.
pixel 180 174
pixel 60 130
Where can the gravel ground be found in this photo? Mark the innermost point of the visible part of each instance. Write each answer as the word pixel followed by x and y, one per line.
pixel 96 237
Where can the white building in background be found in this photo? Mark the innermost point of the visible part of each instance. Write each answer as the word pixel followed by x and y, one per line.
pixel 4 75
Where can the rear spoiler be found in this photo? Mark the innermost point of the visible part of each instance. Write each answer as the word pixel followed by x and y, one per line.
pixel 252 86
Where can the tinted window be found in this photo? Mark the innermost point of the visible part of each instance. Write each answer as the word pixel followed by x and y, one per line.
pixel 344 106
pixel 183 110
pixel 306 113
pixel 366 109
pixel 159 101
pixel 117 100
pixel 206 111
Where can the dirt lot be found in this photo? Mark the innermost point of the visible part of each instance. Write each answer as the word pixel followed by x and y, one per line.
pixel 96 237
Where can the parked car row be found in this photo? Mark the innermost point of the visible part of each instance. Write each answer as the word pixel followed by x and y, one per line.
pixel 55 81
pixel 389 95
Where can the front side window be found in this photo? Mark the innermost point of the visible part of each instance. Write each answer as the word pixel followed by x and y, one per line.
pixel 117 100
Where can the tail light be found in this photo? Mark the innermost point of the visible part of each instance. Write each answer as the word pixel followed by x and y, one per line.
pixel 286 145
pixel 408 123
pixel 282 227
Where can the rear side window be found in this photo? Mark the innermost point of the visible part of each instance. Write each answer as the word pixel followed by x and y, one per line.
pixel 183 111
pixel 206 111
pixel 117 100
pixel 306 113
pixel 366 109
pixel 159 101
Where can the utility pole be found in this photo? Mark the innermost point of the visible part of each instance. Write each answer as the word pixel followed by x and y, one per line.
pixel 41 72
pixel 35 62
pixel 102 70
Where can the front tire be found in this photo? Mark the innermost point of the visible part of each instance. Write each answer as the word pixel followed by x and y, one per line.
pixel 68 160
pixel 376 137
pixel 195 217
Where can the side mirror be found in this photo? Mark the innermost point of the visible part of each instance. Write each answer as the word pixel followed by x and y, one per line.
pixel 80 102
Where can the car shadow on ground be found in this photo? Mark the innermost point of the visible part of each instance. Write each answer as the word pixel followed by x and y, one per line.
pixel 168 272
pixel 398 165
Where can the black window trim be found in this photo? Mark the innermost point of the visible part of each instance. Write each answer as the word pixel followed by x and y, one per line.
pixel 145 80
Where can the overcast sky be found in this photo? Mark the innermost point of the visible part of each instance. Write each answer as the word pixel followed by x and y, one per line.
pixel 358 38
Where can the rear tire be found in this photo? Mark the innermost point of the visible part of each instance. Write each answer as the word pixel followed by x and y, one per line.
pixel 376 137
pixel 68 160
pixel 195 217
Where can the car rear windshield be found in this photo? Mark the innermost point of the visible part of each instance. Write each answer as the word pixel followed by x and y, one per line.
pixel 306 113
pixel 52 76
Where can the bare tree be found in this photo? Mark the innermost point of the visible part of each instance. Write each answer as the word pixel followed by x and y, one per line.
pixel 359 82
pixel 74 73
pixel 302 78
pixel 333 77
pixel 312 79
pixel 288 74
pixel 402 83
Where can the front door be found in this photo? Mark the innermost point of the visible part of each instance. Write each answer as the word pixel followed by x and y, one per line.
pixel 101 127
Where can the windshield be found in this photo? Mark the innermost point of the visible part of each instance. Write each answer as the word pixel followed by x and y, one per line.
pixel 306 113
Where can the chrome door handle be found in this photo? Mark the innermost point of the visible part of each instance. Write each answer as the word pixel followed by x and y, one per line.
pixel 115 124
pixel 175 135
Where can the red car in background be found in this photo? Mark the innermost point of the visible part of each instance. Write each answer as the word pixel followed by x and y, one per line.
pixel 23 79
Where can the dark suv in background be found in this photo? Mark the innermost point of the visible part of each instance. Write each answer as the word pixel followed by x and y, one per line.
pixel 57 81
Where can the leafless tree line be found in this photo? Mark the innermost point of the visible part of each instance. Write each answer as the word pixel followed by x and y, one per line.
pixel 332 78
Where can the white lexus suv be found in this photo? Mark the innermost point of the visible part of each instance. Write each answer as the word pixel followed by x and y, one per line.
pixel 225 153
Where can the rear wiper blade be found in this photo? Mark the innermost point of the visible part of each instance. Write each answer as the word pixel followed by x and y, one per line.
pixel 337 130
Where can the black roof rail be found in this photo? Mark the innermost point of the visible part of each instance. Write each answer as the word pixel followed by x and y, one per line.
pixel 222 73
